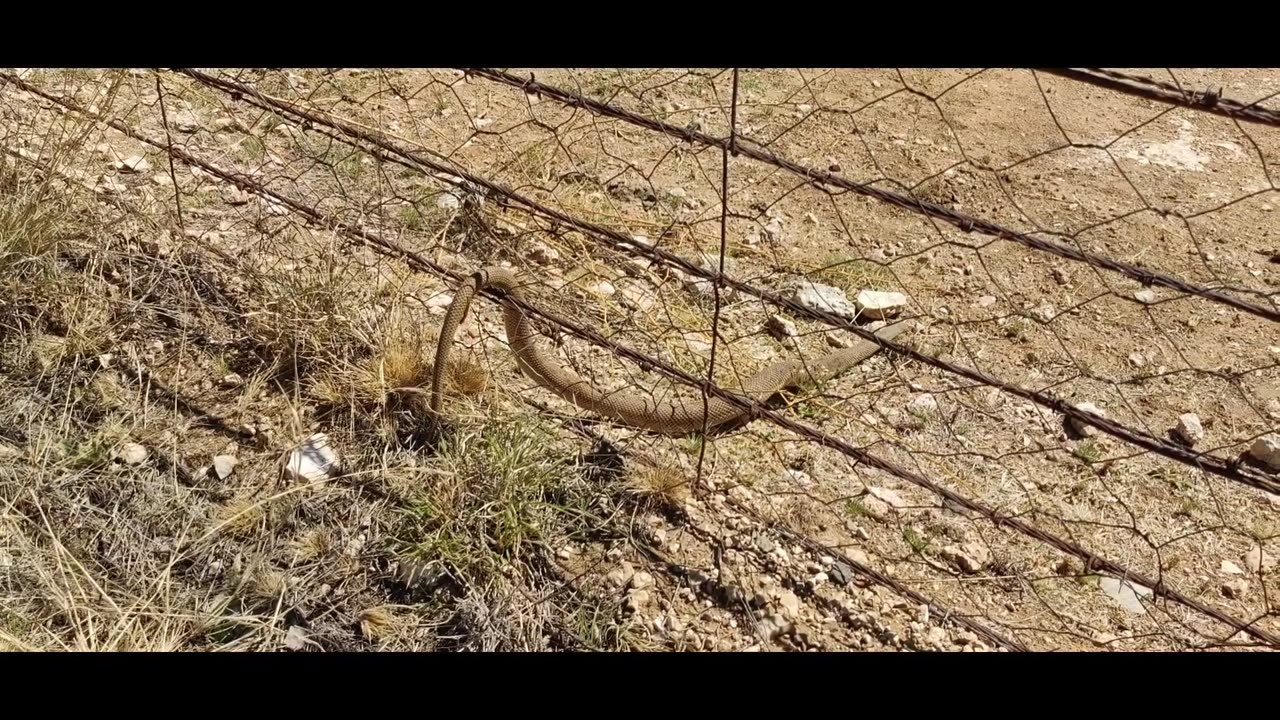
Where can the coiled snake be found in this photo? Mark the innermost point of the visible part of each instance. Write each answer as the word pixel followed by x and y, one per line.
pixel 672 417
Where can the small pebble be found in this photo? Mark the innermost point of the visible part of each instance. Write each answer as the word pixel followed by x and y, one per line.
pixel 132 454
pixel 1189 430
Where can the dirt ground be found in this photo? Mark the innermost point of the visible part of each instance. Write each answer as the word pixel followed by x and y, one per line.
pixel 168 338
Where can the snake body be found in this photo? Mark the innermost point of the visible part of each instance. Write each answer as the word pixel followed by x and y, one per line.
pixel 672 417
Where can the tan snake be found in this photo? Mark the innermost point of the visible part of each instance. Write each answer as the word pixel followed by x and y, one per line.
pixel 672 417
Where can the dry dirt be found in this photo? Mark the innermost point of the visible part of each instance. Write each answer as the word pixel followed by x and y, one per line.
pixel 158 305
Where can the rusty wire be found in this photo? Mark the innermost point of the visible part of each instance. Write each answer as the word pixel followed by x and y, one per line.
pixel 418 262
pixel 384 149
pixel 967 223
pixel 1152 89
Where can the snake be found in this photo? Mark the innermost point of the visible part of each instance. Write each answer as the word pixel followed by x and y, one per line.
pixel 669 416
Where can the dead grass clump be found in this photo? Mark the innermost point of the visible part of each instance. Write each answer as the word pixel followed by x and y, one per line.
pixel 659 485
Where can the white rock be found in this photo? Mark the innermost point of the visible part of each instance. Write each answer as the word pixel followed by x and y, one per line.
pixel 448 202
pixel 1126 593
pixel 1229 568
pixel 1082 428
pixel 773 230
pixel 1266 450
pixel 231 380
pixel 923 405
pixel 224 465
pixel 1137 359
pixel 1046 312
pixel 439 303
pixel 604 288
pixel 1145 295
pixel 889 497
pixel 1061 276
pixel 641 580
pixel 132 454
pixel 986 301
pixel 825 298
pixel 969 558
pixel 1258 559
pixel 780 327
pixel 1189 429
pixel 621 576
pixel 296 638
pixel 313 460
pixel 879 305
pixel 134 164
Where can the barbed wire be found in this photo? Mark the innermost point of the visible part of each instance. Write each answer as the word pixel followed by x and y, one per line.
pixel 962 221
pixel 1211 101
pixel 1228 468
pixel 415 260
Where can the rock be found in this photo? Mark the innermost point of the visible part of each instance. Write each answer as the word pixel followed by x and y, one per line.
pixel 780 327
pixel 313 460
pixel 223 124
pixel 7 451
pixel 1146 296
pixel 1083 428
pixel 636 298
pixel 1229 568
pixel 790 605
pixel 1189 429
pixel 637 600
pixel 773 230
pixel 231 380
pixel 224 465
pixel 1126 594
pixel 825 298
pixel 134 164
pixel 1046 312
pixel 1060 276
pixel 110 186
pixel 798 477
pixel 986 301
pixel 1137 359
pixel 1272 408
pixel 889 497
pixel 439 303
pixel 641 580
pixel 923 405
pixel 233 195
pixel 841 574
pixel 604 288
pixel 296 638
pixel 132 454
pixel 621 576
pixel 969 558
pixel 543 254
pixel 765 544
pixel 1258 559
pixel 1235 589
pixel 105 360
pixel 448 202
pixel 1266 450
pixel 185 121
pixel 879 305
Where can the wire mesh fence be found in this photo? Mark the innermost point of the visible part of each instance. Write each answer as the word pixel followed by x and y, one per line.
pixel 1067 449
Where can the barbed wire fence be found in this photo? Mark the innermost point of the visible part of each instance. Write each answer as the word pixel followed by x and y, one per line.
pixel 1139 505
